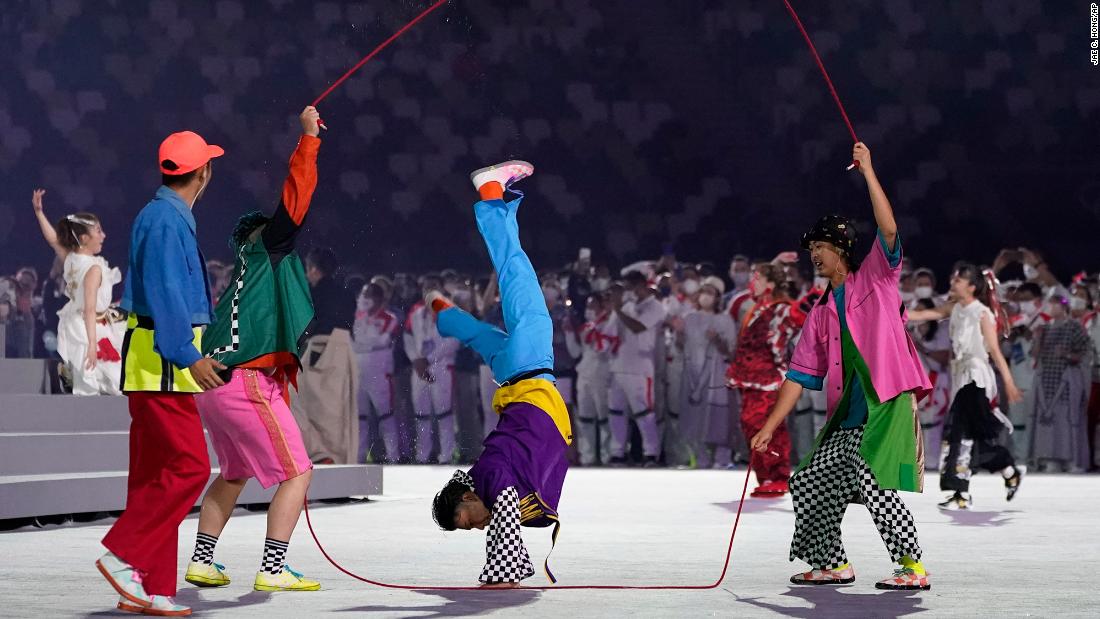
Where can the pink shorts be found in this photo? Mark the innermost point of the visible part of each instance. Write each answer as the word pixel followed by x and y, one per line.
pixel 252 429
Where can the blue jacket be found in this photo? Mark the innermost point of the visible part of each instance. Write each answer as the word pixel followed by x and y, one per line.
pixel 167 278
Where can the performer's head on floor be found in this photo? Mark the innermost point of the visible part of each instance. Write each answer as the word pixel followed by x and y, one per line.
pixel 832 243
pixel 457 506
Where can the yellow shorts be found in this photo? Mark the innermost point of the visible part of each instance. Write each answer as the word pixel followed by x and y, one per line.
pixel 541 393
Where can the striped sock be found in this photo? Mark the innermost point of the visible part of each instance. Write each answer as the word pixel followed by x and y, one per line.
pixel 204 548
pixel 274 556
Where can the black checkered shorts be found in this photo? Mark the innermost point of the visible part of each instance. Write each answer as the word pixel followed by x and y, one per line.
pixel 836 476
pixel 506 558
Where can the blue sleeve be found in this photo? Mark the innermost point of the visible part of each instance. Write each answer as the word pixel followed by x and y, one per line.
pixel 893 256
pixel 813 383
pixel 162 260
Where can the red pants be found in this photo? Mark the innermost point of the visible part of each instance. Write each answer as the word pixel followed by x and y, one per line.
pixel 755 406
pixel 169 468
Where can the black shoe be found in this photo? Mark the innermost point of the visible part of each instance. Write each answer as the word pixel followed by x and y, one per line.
pixel 1012 484
pixel 650 462
pixel 617 462
pixel 957 501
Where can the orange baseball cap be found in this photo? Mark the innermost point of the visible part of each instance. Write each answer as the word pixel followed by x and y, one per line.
pixel 185 152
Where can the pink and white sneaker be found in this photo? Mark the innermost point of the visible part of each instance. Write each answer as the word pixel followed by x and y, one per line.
pixel 905 579
pixel 843 576
pixel 505 173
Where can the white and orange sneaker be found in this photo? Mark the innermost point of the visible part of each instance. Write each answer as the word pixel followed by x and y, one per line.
pixel 125 579
pixel 905 579
pixel 505 173
pixel 437 301
pixel 841 576
pixel 162 606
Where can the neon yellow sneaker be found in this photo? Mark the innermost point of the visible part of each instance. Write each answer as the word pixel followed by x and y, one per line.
pixel 203 575
pixel 288 580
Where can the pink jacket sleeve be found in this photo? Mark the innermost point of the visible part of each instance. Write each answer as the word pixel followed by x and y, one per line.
pixel 876 267
pixel 811 355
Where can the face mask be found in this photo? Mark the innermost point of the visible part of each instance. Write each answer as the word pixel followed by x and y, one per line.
pixel 664 290
pixel 629 296
pixel 563 282
pixel 1029 308
pixel 740 278
pixel 821 283
pixel 908 297
pixel 462 296
pixel 690 286
pixel 1077 304
pixel 364 304
pixel 706 300
pixel 1030 272
pixel 924 292
pixel 552 295
pixel 450 287
pixel 590 315
pixel 600 284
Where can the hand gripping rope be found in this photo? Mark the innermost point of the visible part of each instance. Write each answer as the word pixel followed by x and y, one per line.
pixel 714 585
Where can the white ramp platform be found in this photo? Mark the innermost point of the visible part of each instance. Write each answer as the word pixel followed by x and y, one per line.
pixel 62 454
pixel 1031 557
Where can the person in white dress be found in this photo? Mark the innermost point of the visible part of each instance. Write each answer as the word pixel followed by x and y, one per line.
pixel 974 415
pixel 89 337
pixel 708 337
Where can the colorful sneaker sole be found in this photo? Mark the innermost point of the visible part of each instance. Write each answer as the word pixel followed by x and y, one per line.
pixel 202 581
pixel 892 587
pixel 141 610
pixel 130 608
pixel 833 581
pixel 316 587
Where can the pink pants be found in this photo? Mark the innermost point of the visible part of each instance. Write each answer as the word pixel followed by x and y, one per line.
pixel 252 429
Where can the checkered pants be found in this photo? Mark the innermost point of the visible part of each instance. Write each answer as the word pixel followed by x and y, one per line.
pixel 836 475
pixel 506 558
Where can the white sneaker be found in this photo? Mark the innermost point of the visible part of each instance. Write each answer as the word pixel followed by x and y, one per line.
pixel 435 295
pixel 504 173
pixel 125 579
pixel 162 606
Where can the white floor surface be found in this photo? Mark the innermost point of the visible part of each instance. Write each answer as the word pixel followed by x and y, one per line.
pixel 1031 557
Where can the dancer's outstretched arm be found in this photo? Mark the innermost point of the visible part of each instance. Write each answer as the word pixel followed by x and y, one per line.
pixel 48 231
pixel 280 233
pixel 789 394
pixel 884 213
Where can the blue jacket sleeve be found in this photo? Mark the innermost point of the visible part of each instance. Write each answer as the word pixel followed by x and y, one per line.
pixel 813 383
pixel 161 256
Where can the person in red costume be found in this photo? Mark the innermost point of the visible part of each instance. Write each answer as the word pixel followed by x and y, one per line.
pixel 758 369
